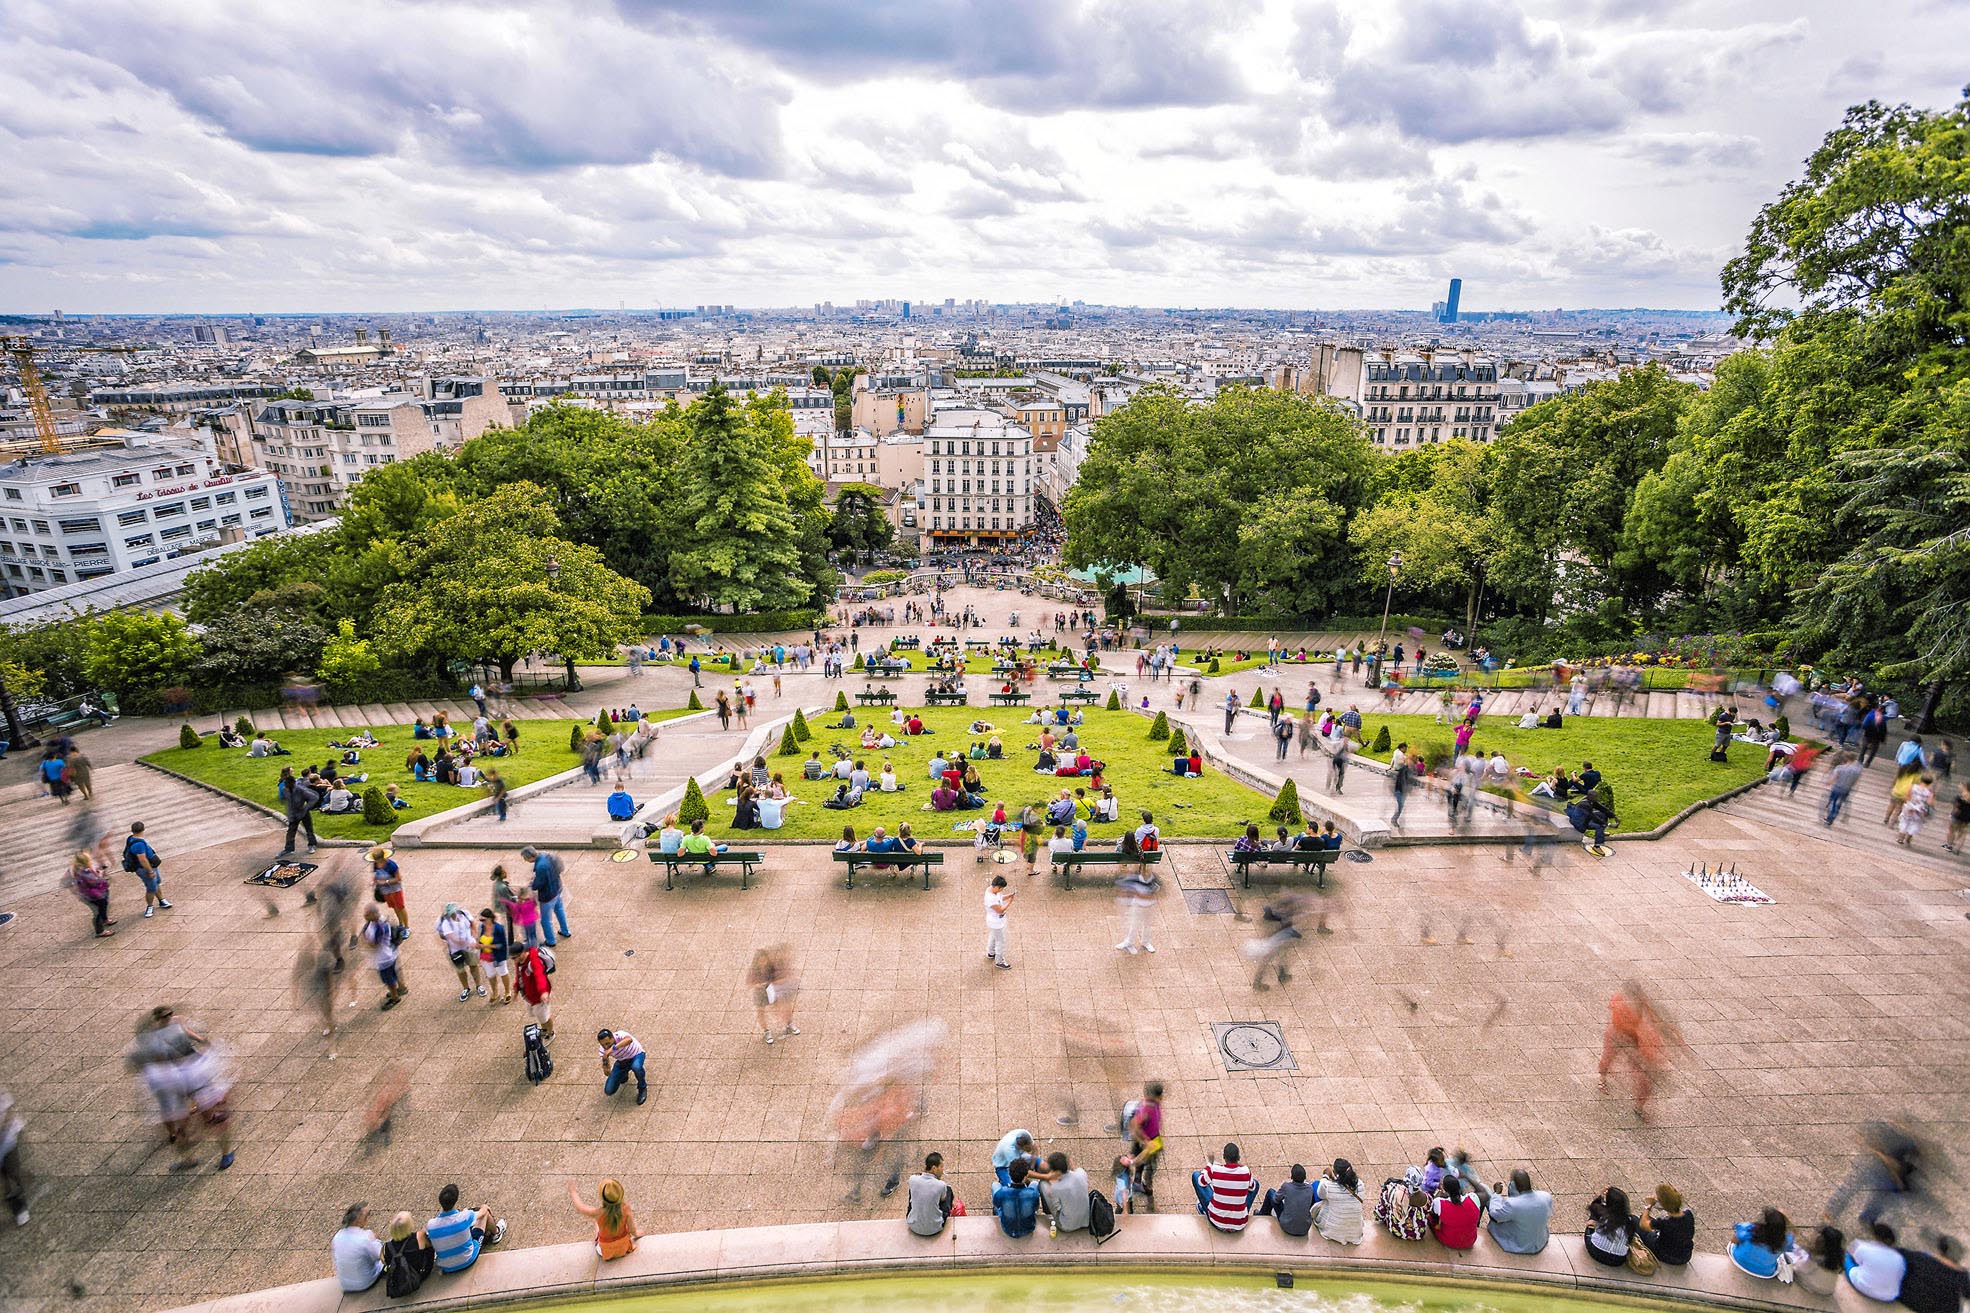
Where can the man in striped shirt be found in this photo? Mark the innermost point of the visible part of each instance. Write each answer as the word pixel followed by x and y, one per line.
pixel 1225 1191
pixel 622 1057
pixel 457 1234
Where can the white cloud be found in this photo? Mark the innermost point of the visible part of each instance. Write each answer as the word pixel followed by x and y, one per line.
pixel 218 154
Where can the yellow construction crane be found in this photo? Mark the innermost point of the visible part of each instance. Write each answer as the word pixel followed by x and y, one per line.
pixel 21 351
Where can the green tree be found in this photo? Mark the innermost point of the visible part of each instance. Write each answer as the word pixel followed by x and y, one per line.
pixel 136 651
pixel 859 526
pixel 841 701
pixel 256 645
pixel 739 548
pixel 1285 808
pixel 789 745
pixel 1178 746
pixel 693 807
pixel 1159 729
pixel 346 660
pixel 496 581
pixel 1114 702
pixel 376 807
pixel 188 737
pixel 799 727
pixel 1435 509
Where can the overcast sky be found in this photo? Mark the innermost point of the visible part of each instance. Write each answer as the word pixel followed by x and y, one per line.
pixel 218 155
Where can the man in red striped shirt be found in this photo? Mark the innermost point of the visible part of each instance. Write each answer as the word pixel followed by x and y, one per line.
pixel 1225 1191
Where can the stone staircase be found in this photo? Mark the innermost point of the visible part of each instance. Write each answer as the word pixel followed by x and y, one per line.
pixel 37 834
pixel 1859 831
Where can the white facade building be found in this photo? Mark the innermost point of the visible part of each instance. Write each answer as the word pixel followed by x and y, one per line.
pixel 113 508
pixel 1412 401
pixel 978 478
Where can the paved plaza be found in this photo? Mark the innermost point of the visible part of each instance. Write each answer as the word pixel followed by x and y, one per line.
pixel 1841 1003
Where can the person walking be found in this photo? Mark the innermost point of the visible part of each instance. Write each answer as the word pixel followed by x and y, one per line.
pixel 302 799
pixel 1337 769
pixel 998 903
pixel 696 682
pixel 551 892
pixel 1915 810
pixel 724 706
pixel 1846 774
pixel 387 878
pixel 1230 709
pixel 496 790
pixel 1282 733
pixel 142 861
pixel 460 935
pixel 622 1058
pixel 92 887
pixel 382 941
pixel 1136 896
pixel 1401 777
pixel 772 981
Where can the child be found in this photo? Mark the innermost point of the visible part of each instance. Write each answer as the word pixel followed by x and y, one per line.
pixel 390 796
pixel 494 949
pixel 998 901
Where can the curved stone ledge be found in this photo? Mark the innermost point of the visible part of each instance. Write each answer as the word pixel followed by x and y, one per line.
pixel 1161 1243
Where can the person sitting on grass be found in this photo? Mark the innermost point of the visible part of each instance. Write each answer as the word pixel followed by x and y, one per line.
pixel 342 801
pixel 943 798
pixel 391 796
pixel 230 737
pixel 266 747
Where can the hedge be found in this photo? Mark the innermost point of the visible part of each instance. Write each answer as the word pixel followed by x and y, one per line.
pixel 765 622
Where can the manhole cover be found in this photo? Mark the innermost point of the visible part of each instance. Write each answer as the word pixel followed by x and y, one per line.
pixel 1252 1046
pixel 1208 902
pixel 1358 855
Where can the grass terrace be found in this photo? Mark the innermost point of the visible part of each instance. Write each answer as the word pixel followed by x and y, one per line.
pixel 1657 767
pixel 1214 805
pixel 543 751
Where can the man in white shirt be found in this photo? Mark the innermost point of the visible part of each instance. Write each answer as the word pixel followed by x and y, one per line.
pixel 358 1253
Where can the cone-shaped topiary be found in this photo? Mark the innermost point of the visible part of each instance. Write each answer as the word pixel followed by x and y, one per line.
pixel 1382 741
pixel 694 704
pixel 1606 791
pixel 1258 700
pixel 1161 729
pixel 577 735
pixel 1214 667
pixel 187 737
pixel 789 745
pixel 800 731
pixel 693 807
pixel 1114 700
pixel 604 721
pixel 243 727
pixel 1286 807
pixel 841 700
pixel 376 808
pixel 1178 747
pixel 1782 726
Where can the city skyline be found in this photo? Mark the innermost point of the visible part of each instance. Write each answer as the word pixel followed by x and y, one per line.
pixel 238 158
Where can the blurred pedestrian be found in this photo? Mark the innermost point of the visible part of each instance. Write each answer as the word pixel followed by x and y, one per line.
pixel 91 885
pixel 387 881
pixel 13 1176
pixel 382 941
pixel 773 984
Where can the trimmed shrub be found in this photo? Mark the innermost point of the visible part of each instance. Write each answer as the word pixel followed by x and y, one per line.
pixel 694 704
pixel 243 727
pixel 1607 794
pixel 1286 807
pixel 1213 667
pixel 799 727
pixel 577 735
pixel 1783 727
pixel 188 737
pixel 1258 700
pixel 841 701
pixel 789 745
pixel 1178 746
pixel 604 721
pixel 376 808
pixel 1161 729
pixel 693 807
pixel 766 622
pixel 1114 702
pixel 1382 741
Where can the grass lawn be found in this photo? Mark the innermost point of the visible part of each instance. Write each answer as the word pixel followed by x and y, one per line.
pixel 543 752
pixel 1214 805
pixel 1657 767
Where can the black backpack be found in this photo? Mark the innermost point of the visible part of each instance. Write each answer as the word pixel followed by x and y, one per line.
pixel 401 1276
pixel 1101 1217
pixel 540 1063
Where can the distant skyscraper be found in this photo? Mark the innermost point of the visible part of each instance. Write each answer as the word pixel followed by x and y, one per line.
pixel 1450 302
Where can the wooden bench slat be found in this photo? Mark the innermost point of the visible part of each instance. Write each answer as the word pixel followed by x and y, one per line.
pixel 900 861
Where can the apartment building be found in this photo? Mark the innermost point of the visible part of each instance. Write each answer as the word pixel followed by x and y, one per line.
pixel 121 504
pixel 978 478
pixel 320 449
pixel 858 456
pixel 1414 400
pixel 1045 419
pixel 180 398
pixel 885 410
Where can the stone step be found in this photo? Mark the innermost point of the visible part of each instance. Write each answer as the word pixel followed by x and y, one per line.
pixel 37 833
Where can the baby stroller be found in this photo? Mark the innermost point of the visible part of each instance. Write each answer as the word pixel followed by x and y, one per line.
pixel 987 838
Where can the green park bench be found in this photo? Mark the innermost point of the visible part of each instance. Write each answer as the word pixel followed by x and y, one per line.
pixel 1068 863
pixel 1315 859
pixel 946 700
pixel 1075 673
pixel 673 863
pixel 1084 695
pixel 977 645
pixel 893 861
pixel 912 643
pixel 1010 699
pixel 879 696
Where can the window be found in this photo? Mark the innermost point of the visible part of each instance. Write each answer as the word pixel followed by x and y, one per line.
pixel 201 503
pixel 161 474
pixel 262 512
pixel 140 542
pixel 175 508
pixel 177 531
pixel 13 494
pixel 208 526
pixel 125 480
pixel 137 516
pixel 65 490
pixel 58 576
pixel 184 469
pixel 20 525
pixel 82 550
pixel 41 526
pixel 230 521
pixel 90 525
pixel 227 498
pixel 258 493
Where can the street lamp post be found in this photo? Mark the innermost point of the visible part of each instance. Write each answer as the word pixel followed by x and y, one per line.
pixel 1381 639
pixel 567 662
